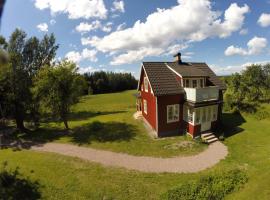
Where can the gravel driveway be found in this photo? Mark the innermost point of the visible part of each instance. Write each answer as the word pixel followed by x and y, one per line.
pixel 208 158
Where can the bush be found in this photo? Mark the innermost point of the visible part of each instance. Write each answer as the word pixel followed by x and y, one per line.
pixel 260 115
pixel 214 186
pixel 14 186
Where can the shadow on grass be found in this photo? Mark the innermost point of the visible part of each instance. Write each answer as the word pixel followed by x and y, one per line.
pixel 14 186
pixel 103 132
pixel 95 131
pixel 231 123
pixel 77 116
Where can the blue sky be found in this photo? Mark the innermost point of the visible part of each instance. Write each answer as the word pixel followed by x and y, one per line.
pixel 117 35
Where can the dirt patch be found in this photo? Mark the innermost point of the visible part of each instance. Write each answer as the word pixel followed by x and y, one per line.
pixel 180 145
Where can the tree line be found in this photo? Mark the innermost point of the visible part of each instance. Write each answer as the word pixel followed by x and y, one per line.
pixel 248 89
pixel 107 82
pixel 31 80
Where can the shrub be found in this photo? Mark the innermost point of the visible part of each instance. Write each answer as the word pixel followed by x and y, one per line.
pixel 260 115
pixel 14 186
pixel 214 186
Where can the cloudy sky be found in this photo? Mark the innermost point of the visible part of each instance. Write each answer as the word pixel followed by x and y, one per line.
pixel 117 35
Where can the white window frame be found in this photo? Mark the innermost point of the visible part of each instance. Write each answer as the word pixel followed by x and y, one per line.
pixel 145 84
pixel 175 115
pixel 197 118
pixel 145 106
pixel 190 80
pixel 190 115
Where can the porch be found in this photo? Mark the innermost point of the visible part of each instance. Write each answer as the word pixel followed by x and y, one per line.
pixel 200 119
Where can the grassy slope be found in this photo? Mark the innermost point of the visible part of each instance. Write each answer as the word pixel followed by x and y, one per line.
pixel 71 178
pixel 105 122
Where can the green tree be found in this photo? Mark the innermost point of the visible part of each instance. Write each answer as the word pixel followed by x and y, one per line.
pixel 246 90
pixel 26 57
pixel 59 87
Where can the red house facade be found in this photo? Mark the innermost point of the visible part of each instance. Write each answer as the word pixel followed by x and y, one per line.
pixel 179 97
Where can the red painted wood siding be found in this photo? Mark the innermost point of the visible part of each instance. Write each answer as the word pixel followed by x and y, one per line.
pixel 194 130
pixel 163 126
pixel 151 104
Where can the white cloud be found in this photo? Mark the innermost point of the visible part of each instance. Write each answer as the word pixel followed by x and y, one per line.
pixel 89 55
pixel 52 22
pixel 90 69
pixel 264 20
pixel 189 21
pixel 86 54
pixel 243 31
pixel 43 27
pixel 74 56
pixel 108 27
pixel 85 27
pixel 227 70
pixel 173 49
pixel 255 46
pixel 118 6
pixel 121 26
pixel 132 56
pixel 74 8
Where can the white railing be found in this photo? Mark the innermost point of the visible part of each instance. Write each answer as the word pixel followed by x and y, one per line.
pixel 202 94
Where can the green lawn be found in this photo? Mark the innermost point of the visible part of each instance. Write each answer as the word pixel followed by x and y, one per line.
pixel 105 122
pixel 60 177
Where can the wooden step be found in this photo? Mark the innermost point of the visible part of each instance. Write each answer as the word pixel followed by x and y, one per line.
pixel 212 140
pixel 206 134
pixel 209 137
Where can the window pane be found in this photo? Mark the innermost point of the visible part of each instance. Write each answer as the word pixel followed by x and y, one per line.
pixel 170 113
pixel 209 113
pixel 176 112
pixel 194 82
pixel 145 106
pixel 190 115
pixel 201 82
pixel 203 115
pixel 187 83
pixel 145 84
pixel 198 116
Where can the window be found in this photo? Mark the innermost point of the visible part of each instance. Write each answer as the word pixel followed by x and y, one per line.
pixel 209 114
pixel 214 113
pixel 187 83
pixel 190 115
pixel 145 106
pixel 172 113
pixel 198 116
pixel 203 115
pixel 201 83
pixel 194 83
pixel 145 84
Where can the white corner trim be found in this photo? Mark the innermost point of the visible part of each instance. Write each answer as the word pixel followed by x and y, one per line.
pixel 173 70
pixel 138 86
pixel 147 76
pixel 156 114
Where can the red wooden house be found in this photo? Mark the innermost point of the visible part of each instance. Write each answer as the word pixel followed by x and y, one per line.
pixel 179 97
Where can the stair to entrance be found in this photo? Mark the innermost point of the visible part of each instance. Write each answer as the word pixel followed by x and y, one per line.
pixel 209 137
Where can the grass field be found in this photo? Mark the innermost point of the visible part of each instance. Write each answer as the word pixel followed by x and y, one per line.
pixel 105 122
pixel 60 177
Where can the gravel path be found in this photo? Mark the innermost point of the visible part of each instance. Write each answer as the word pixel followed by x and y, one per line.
pixel 208 158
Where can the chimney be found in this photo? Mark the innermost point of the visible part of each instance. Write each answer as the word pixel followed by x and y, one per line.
pixel 178 58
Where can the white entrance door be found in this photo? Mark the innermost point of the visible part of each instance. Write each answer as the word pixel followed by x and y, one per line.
pixel 206 119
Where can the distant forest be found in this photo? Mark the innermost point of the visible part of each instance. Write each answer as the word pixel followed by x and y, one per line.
pixel 107 82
